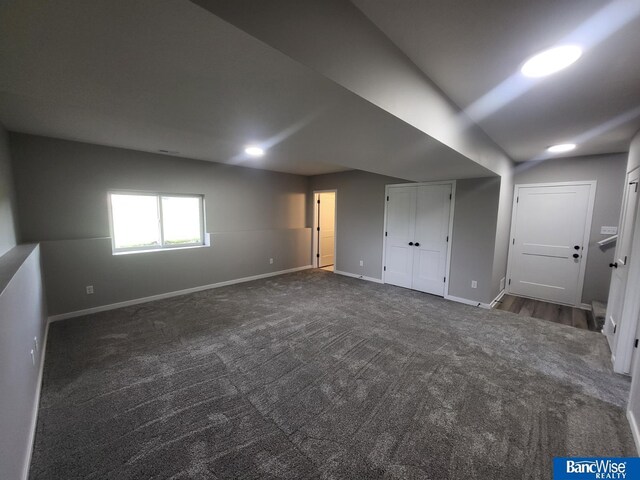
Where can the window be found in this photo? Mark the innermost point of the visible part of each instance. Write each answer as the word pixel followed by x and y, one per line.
pixel 154 221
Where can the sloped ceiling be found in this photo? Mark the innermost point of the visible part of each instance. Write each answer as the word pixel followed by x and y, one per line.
pixel 168 75
pixel 473 51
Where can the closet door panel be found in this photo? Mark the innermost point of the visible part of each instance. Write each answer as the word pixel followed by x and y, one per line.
pixel 433 204
pixel 399 255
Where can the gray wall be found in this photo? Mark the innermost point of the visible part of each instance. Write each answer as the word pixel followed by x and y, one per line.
pixel 360 218
pixel 474 238
pixel 7 198
pixel 609 172
pixel 360 212
pixel 22 317
pixel 62 186
pixel 503 227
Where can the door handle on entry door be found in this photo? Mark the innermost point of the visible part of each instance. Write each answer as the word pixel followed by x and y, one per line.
pixel 575 255
pixel 411 244
pixel 417 244
pixel 614 265
pixel 576 247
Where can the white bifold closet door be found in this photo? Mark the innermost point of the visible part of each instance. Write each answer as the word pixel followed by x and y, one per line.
pixel 417 237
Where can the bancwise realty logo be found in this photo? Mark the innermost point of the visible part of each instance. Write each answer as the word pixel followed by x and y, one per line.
pixel 596 468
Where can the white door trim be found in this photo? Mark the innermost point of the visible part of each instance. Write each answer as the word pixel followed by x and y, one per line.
pixel 586 235
pixel 630 311
pixel 314 230
pixel 451 211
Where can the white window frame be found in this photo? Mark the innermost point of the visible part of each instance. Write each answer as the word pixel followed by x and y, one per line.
pixel 162 246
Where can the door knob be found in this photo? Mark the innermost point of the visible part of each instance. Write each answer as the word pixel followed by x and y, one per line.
pixel 577 247
pixel 417 244
pixel 614 265
pixel 411 244
pixel 575 255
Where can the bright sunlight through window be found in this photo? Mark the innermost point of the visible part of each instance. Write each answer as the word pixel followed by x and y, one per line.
pixel 152 221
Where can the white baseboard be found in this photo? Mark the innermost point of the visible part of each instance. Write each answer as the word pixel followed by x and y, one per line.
pixel 136 301
pixel 36 405
pixel 361 277
pixel 634 429
pixel 466 301
pixel 497 299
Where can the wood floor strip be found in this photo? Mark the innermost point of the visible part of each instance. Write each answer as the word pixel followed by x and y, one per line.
pixel 580 319
pixel 551 312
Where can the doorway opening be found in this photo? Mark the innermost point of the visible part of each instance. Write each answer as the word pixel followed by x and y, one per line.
pixel 324 229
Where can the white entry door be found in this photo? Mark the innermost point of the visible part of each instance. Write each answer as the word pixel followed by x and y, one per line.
pixel 326 234
pixel 549 240
pixel 417 235
pixel 612 328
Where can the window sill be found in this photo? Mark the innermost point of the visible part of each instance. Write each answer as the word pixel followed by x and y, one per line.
pixel 206 244
pixel 152 250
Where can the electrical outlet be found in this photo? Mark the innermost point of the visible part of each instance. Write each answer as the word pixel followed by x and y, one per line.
pixel 474 284
pixel 362 263
pixel 271 261
pixel 89 289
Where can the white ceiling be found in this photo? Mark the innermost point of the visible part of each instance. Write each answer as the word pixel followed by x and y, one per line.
pixel 472 48
pixel 151 75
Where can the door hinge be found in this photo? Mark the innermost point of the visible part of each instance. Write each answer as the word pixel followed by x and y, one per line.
pixel 317 255
pixel 615 327
pixel 387 198
pixel 509 281
pixel 318 201
pixel 385 234
pixel 450 196
pixel 385 269
pixel 318 228
pixel 625 259
pixel 514 242
pixel 445 280
pixel 517 199
pixel 635 344
pixel 447 238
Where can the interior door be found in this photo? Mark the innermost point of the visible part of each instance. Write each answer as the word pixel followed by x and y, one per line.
pixel 621 262
pixel 400 229
pixel 433 207
pixel 629 367
pixel 327 222
pixel 549 232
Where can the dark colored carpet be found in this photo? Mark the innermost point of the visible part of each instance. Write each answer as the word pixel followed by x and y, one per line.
pixel 314 375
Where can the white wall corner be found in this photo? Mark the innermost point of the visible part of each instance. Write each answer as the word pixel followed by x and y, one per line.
pixel 634 429
pixel 36 405
pixel 495 301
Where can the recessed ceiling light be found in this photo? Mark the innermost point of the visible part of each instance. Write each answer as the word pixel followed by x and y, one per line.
pixel 562 147
pixel 254 151
pixel 551 61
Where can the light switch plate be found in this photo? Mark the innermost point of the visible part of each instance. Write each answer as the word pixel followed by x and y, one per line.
pixel 608 230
